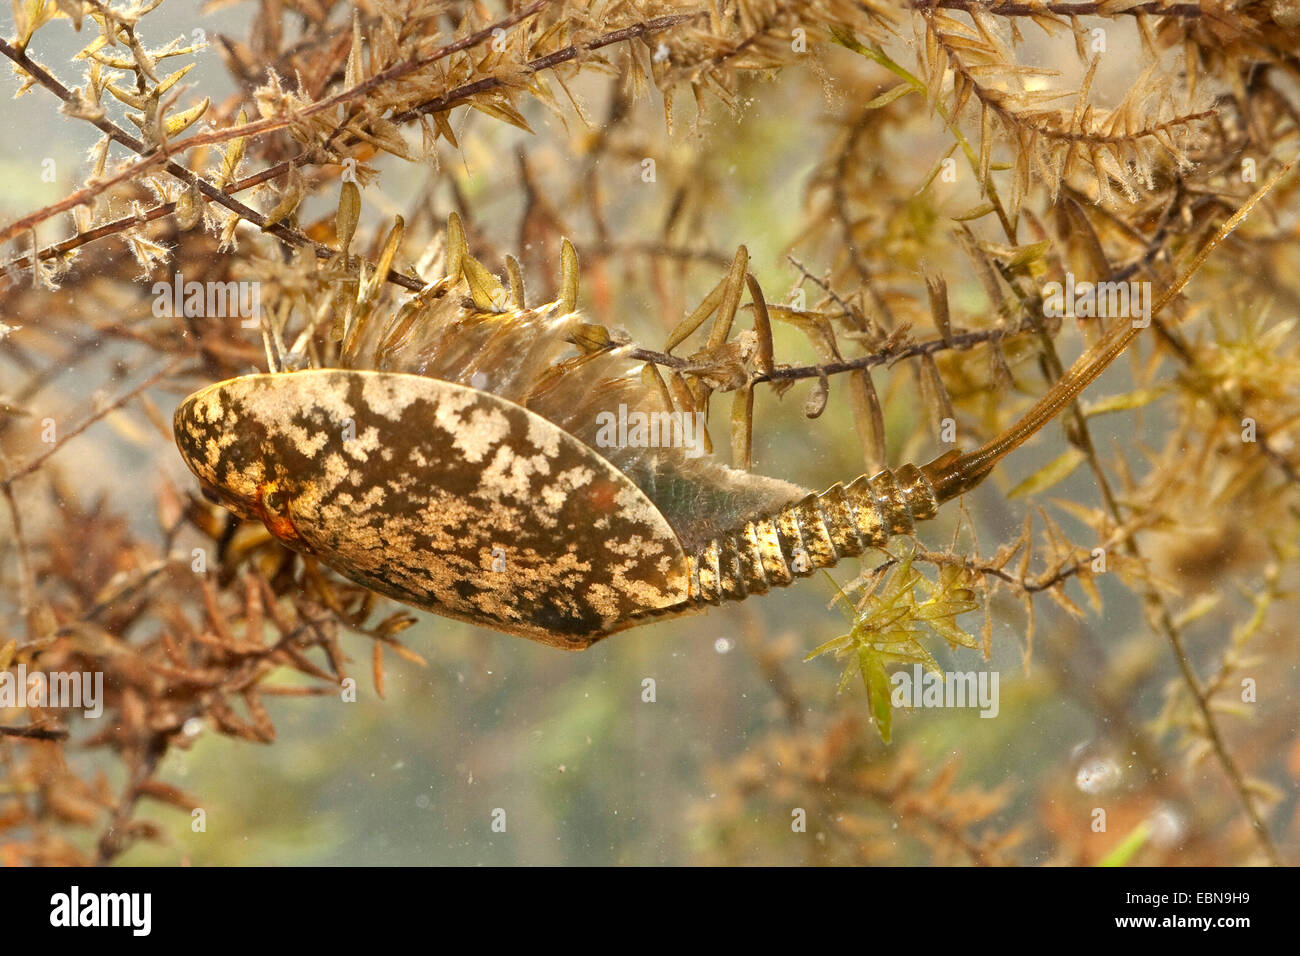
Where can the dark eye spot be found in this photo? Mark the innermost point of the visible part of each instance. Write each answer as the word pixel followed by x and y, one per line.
pixel 210 493
pixel 273 501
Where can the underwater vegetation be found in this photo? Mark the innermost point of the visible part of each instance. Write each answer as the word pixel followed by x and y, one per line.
pixel 546 317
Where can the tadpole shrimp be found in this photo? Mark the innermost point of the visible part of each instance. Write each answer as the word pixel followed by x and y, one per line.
pixel 450 460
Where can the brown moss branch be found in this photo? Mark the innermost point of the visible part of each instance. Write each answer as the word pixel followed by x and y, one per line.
pixel 449 100
pixel 888 356
pixel 1162 620
pixel 1183 204
pixel 1022 583
pixel 913 815
pixel 289 235
pixel 35 733
pixel 993 100
pixel 914 812
pixel 116 837
pixel 258 127
pixel 547 62
pixel 1009 8
pixel 81 197
pixel 839 209
pixel 26 574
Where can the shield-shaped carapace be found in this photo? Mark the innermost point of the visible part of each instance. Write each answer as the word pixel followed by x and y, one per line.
pixel 461 459
pixel 459 501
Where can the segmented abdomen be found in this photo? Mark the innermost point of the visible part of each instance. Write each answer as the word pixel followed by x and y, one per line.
pixel 814 532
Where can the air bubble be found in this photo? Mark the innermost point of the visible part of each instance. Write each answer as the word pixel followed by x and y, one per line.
pixel 1168 827
pixel 1097 775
